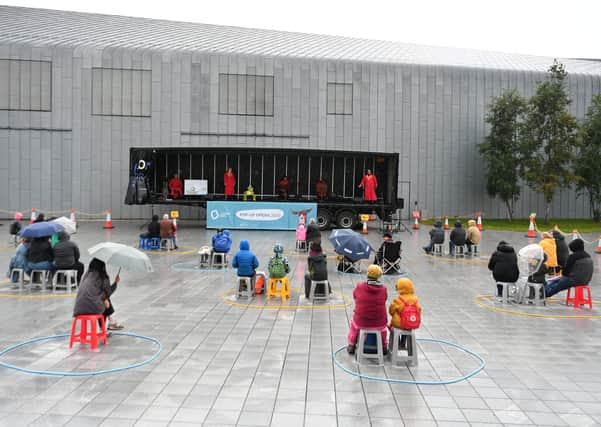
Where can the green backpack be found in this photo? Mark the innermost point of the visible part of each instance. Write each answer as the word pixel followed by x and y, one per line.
pixel 277 267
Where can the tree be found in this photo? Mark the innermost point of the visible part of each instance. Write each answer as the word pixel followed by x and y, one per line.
pixel 500 149
pixel 548 138
pixel 588 165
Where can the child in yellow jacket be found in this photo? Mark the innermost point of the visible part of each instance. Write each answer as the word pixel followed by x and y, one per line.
pixel 406 296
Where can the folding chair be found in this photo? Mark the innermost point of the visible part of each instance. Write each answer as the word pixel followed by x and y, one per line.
pixel 391 257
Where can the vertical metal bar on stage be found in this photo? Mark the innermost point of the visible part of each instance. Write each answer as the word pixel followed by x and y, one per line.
pixel 309 178
pixel 344 175
pixel 332 173
pixel 238 175
pixel 262 173
pixel 297 174
pixel 354 175
pixel 214 170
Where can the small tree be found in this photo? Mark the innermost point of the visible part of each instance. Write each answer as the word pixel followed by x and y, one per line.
pixel 588 164
pixel 500 149
pixel 548 138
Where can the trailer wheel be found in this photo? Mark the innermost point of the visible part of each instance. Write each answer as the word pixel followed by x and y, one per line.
pixel 324 219
pixel 346 219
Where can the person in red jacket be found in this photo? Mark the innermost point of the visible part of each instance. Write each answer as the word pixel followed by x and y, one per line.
pixel 370 308
pixel 284 188
pixel 369 183
pixel 176 188
pixel 229 182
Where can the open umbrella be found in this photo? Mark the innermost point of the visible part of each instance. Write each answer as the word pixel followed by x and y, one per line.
pixel 41 229
pixel 122 256
pixel 68 226
pixel 350 244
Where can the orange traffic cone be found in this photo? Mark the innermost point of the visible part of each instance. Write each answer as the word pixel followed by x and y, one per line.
pixel 599 246
pixel 416 224
pixel 479 222
pixel 364 231
pixel 109 222
pixel 446 222
pixel 72 215
pixel 574 234
pixel 33 216
pixel 531 231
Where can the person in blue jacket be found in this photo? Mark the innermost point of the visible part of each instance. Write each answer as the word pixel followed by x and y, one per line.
pixel 222 241
pixel 245 261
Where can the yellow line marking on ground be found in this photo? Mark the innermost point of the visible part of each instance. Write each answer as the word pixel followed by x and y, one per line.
pixel 44 296
pixel 465 260
pixel 347 302
pixel 191 250
pixel 478 300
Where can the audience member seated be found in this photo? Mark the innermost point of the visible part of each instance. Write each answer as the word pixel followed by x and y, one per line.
pixel 245 261
pixel 313 234
pixel 317 268
pixel 370 308
pixel 167 229
pixel 550 248
pixel 436 237
pixel 20 258
pixel 473 236
pixel 391 252
pixel 176 187
pixel 40 218
pixel 577 272
pixel 40 255
pixel 66 255
pixel 154 229
pixel 562 250
pixel 406 297
pixel 504 265
pixel 94 293
pixel 278 266
pixel 457 237
pixel 222 241
pixel 345 265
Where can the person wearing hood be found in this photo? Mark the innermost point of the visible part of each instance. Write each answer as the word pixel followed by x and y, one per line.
pixel 245 261
pixel 504 265
pixel 313 233
pixel 66 255
pixel 548 245
pixel 562 250
pixel 40 255
pixel 577 272
pixel 222 241
pixel 457 237
pixel 317 268
pixel 436 237
pixel 473 236
pixel 370 308
pixel 154 228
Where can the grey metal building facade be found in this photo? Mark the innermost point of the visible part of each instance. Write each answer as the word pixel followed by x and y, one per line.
pixel 78 90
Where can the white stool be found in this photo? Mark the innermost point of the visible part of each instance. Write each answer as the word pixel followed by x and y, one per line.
pixel 325 296
pixel 245 288
pixel 219 260
pixel 458 250
pixel 538 288
pixel 361 354
pixel 205 259
pixel 509 289
pixel 70 278
pixel 475 250
pixel 301 245
pixel 437 249
pixel 39 277
pixel 20 276
pixel 168 243
pixel 395 342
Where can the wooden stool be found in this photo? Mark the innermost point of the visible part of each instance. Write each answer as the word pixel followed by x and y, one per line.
pixel 283 291
pixel 91 336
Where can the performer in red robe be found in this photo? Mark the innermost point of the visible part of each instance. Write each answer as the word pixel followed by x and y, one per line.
pixel 283 188
pixel 176 187
pixel 369 183
pixel 321 188
pixel 229 182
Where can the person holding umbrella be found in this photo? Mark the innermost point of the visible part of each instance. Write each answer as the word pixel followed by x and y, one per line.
pixel 93 295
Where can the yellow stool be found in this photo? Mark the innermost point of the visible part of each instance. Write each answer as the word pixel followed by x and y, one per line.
pixel 274 291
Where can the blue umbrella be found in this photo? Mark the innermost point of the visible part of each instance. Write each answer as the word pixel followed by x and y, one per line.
pixel 350 244
pixel 41 229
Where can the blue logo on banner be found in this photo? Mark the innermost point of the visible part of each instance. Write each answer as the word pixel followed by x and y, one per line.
pixel 258 215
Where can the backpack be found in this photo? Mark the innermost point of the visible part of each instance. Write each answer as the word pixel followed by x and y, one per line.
pixel 409 316
pixel 277 267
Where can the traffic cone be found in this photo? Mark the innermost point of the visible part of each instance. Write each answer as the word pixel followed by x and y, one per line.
pixel 416 224
pixel 364 231
pixel 599 246
pixel 33 216
pixel 574 234
pixel 531 231
pixel 72 215
pixel 446 222
pixel 109 222
pixel 479 222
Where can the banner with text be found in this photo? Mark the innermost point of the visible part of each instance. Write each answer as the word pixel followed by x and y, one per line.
pixel 258 215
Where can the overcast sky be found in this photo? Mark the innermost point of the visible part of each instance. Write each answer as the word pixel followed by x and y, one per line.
pixel 565 29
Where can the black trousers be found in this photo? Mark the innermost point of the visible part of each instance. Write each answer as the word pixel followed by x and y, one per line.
pixel 77 266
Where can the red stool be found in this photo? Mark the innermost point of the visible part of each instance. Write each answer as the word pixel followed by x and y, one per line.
pixel 578 299
pixel 92 336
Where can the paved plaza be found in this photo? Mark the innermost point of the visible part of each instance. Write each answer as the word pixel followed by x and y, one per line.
pixel 227 362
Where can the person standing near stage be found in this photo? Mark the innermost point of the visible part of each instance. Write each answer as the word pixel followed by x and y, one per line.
pixel 369 183
pixel 284 188
pixel 229 182
pixel 321 189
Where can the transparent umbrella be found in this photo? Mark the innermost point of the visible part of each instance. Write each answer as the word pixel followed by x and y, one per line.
pixel 122 256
